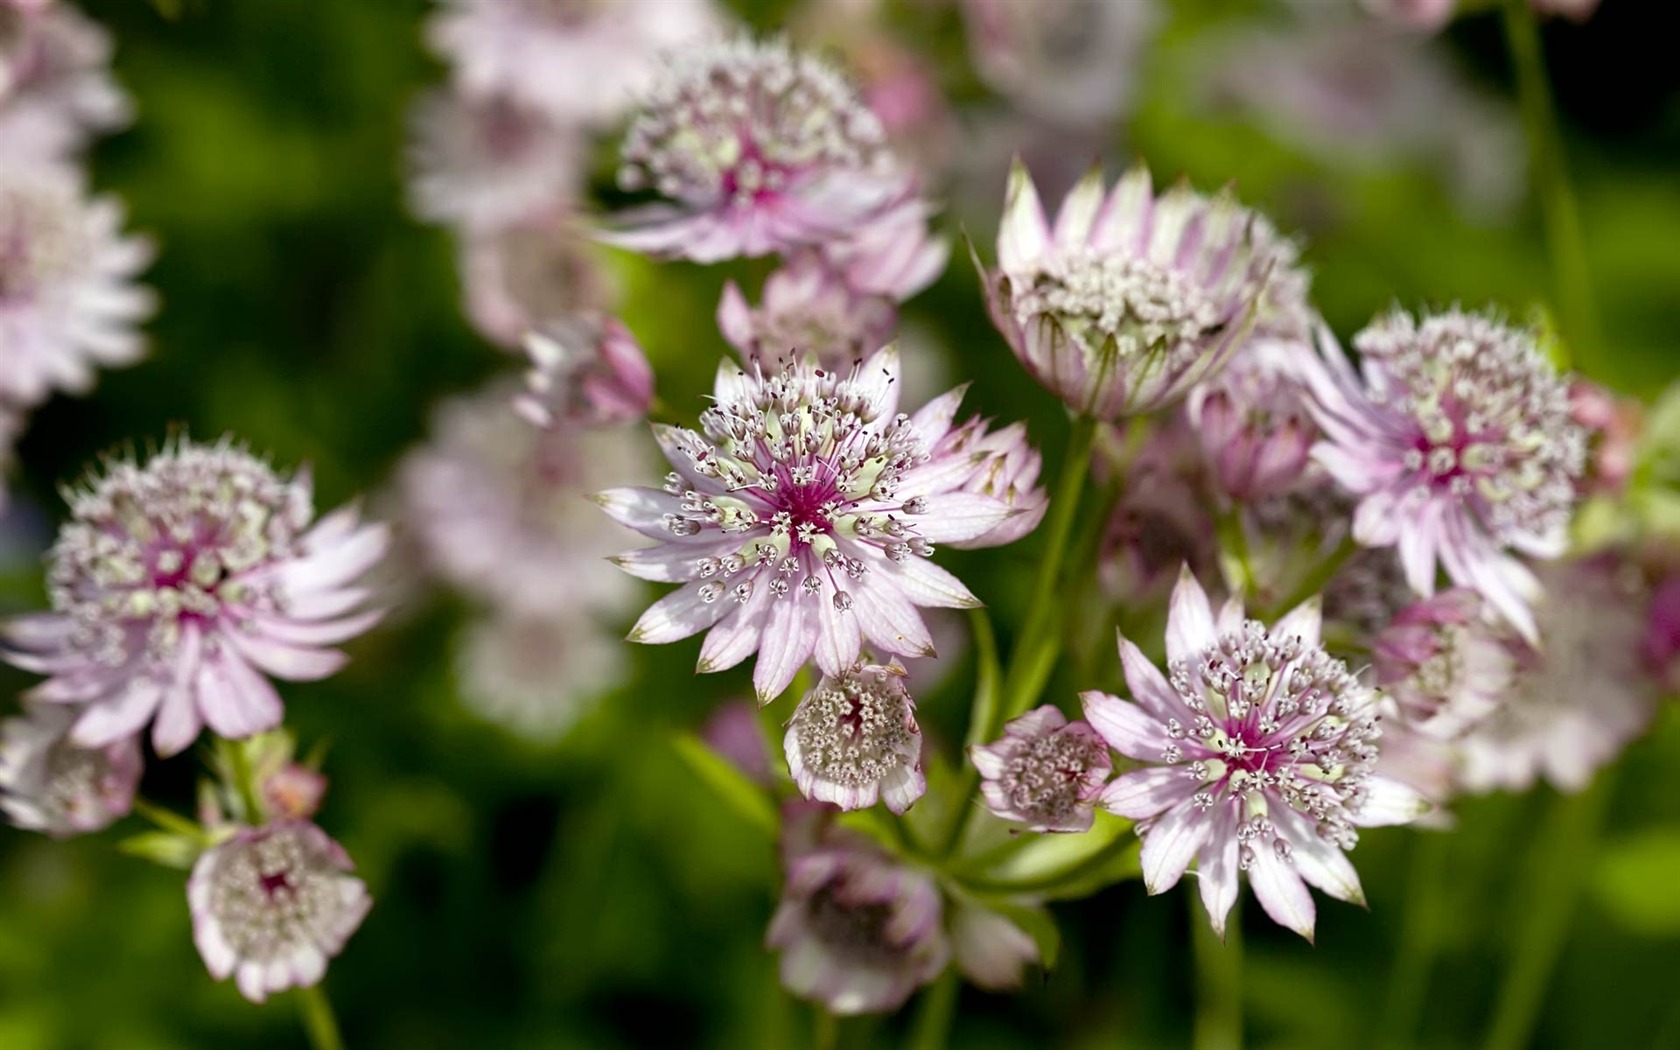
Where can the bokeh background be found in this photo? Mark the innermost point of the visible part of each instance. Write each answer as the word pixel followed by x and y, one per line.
pixel 589 892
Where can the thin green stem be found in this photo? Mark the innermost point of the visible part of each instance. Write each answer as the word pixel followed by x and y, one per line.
pixel 980 718
pixel 1233 543
pixel 937 1008
pixel 1408 983
pixel 1560 862
pixel 244 781
pixel 319 1022
pixel 167 820
pixel 825 1030
pixel 1219 1012
pixel 1565 242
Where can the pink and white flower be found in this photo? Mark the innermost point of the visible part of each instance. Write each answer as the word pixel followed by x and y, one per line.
pixel 588 369
pixel 1130 299
pixel 1458 439
pixel 810 166
pixel 1045 772
pixel 536 677
pixel 853 740
pixel 522 276
pixel 485 165
pixel 800 521
pixel 578 61
pixel 1444 666
pixel 1006 468
pixel 1254 420
pixel 48 783
pixel 1067 61
pixel 1257 752
pixel 807 308
pixel 56 90
pixel 894 255
pixel 68 303
pixel 858 932
pixel 177 585
pixel 272 904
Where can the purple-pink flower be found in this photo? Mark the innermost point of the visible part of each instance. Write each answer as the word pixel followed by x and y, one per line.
pixel 56 90
pixel 1257 752
pixel 1457 437
pixel 853 740
pixel 1129 300
pixel 1253 420
pixel 1443 664
pixel 177 585
pixel 801 520
pixel 1045 772
pixel 272 904
pixel 519 277
pixel 48 783
pixel 810 166
pixel 586 368
pixel 807 308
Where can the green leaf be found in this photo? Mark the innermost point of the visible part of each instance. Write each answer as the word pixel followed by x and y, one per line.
pixel 1635 879
pixel 1036 922
pixel 162 847
pixel 1059 866
pixel 729 784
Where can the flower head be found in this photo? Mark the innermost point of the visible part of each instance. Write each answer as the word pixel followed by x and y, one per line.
pixel 1579 695
pixel 586 368
pixel 853 740
pixel 67 301
pixel 1254 423
pixel 485 165
pixel 1130 299
pixel 1069 62
pixel 894 255
pixel 1258 751
pixel 519 277
pixel 535 677
pixel 858 932
pixel 49 784
pixel 176 585
pixel 810 165
pixel 807 308
pixel 1443 664
pixel 1045 772
pixel 801 520
pixel 1459 442
pixel 56 89
pixel 272 904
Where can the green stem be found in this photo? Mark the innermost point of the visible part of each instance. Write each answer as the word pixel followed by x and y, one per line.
pixel 244 782
pixel 825 1030
pixel 319 1023
pixel 1219 1012
pixel 1559 866
pixel 981 716
pixel 1565 243
pixel 167 820
pixel 931 1029
pixel 1408 983
pixel 1233 543
pixel 1316 580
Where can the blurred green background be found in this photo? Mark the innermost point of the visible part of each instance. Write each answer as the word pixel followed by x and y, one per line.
pixel 590 894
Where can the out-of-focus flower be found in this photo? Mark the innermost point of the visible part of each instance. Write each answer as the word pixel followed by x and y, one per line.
pixel 537 676
pixel 586 368
pixel 732 731
pixel 894 255
pixel 1359 97
pixel 485 165
pixel 177 585
pixel 802 521
pixel 580 63
pixel 500 508
pixel 1162 521
pixel 1070 61
pixel 1457 438
pixel 853 740
pixel 517 278
pixel 1254 422
pixel 1613 425
pixel 1443 665
pixel 1365 595
pixel 1044 772
pixel 858 932
pixel 1130 300
pixel 807 309
pixel 1258 755
pixel 272 904
pixel 68 303
pixel 989 949
pixel 1661 646
pixel 49 784
pixel 810 167
pixel 56 90
pixel 1580 694
pixel 1427 15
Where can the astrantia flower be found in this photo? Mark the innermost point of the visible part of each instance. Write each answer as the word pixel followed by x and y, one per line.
pixel 1459 441
pixel 1579 696
pixel 1006 468
pixel 178 584
pixel 807 309
pixel 894 255
pixel 1254 422
pixel 1258 753
pixel 272 904
pixel 1162 522
pixel 517 278
pixel 487 165
pixel 801 521
pixel 858 931
pixel 586 368
pixel 537 676
pixel 762 149
pixel 1045 772
pixel 56 90
pixel 67 301
pixel 501 510
pixel 578 61
pixel 1443 664
pixel 49 784
pixel 1130 300
pixel 1070 61
pixel 853 741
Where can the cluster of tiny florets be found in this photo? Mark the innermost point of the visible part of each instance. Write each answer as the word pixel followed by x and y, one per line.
pixel 1142 307
pixel 42 233
pixel 1275 717
pixel 857 729
pixel 1043 779
pixel 1493 422
pixel 743 118
pixel 271 894
pixel 150 548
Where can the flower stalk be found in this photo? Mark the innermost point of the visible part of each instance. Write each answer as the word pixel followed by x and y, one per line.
pixel 1219 1020
pixel 320 1024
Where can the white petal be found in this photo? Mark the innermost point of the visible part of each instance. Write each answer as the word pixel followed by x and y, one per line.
pixel 1170 844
